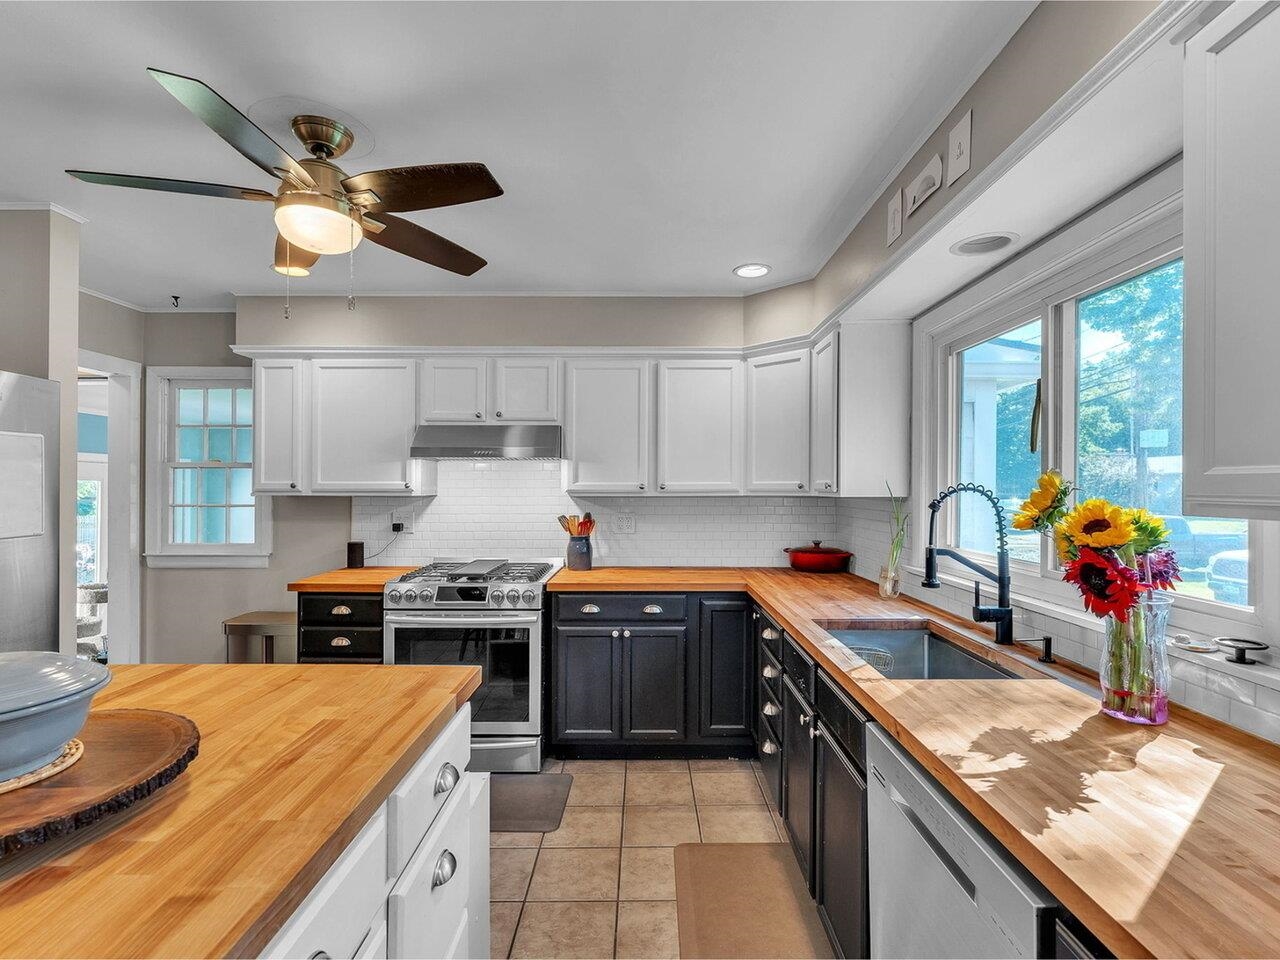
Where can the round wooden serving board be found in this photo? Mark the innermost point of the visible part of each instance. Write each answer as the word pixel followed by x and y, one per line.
pixel 128 755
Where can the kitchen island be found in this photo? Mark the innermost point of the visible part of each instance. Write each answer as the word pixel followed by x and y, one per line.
pixel 294 762
pixel 1160 839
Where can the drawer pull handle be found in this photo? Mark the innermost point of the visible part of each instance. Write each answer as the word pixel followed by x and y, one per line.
pixel 770 672
pixel 339 642
pixel 320 955
pixel 447 780
pixel 770 709
pixel 341 610
pixel 770 634
pixel 769 748
pixel 652 608
pixel 446 867
pixel 589 608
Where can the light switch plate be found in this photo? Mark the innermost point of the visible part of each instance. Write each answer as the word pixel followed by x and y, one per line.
pixel 623 523
pixel 926 182
pixel 959 148
pixel 895 218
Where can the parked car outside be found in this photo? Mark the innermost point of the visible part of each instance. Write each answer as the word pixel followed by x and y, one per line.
pixel 1185 542
pixel 1229 576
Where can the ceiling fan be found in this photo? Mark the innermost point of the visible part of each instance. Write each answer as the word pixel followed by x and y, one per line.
pixel 318 208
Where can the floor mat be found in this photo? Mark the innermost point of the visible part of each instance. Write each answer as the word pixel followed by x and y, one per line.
pixel 528 802
pixel 745 900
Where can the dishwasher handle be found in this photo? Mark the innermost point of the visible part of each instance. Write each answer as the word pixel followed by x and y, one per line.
pixel 939 851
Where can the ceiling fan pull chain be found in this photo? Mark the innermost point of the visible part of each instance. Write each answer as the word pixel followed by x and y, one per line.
pixel 351 270
pixel 288 250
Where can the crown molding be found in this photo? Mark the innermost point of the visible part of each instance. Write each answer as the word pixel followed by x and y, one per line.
pixel 110 299
pixel 51 207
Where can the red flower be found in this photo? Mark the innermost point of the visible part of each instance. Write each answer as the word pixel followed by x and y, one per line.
pixel 1107 585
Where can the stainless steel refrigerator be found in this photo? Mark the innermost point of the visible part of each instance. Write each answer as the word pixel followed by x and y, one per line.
pixel 29 414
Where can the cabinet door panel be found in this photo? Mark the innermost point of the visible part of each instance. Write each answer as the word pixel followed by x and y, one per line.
pixel 700 426
pixel 454 388
pixel 588 684
pixel 725 677
pixel 823 405
pixel 840 849
pixel 797 777
pixel 778 422
pixel 608 417
pixel 279 426
pixel 526 388
pixel 362 424
pixel 1232 231
pixel 653 681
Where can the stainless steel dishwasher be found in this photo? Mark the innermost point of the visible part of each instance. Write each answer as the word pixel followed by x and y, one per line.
pixel 940 885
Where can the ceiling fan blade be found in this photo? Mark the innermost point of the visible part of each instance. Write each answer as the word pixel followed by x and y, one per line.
pixel 420 243
pixel 231 125
pixel 422 187
pixel 291 258
pixel 172 186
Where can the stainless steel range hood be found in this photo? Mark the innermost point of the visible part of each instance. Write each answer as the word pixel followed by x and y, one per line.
pixel 487 441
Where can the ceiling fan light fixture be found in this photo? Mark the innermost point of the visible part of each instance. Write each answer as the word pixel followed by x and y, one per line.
pixel 317 223
pixel 291 271
pixel 749 271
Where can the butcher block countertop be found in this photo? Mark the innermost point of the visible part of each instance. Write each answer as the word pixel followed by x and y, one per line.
pixel 357 580
pixel 1163 840
pixel 293 761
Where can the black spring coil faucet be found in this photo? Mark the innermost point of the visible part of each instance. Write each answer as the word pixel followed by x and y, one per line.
pixel 1002 613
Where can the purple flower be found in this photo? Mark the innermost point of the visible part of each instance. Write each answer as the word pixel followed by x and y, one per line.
pixel 1162 568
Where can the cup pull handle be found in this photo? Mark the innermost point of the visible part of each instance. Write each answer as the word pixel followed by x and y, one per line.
pixel 770 672
pixel 447 779
pixel 769 633
pixel 341 610
pixel 589 608
pixel 339 642
pixel 652 608
pixel 446 867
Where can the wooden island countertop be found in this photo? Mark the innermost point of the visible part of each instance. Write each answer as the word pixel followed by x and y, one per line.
pixel 1162 840
pixel 293 761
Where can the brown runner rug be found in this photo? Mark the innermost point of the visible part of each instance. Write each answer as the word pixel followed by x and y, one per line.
pixel 745 900
pixel 528 802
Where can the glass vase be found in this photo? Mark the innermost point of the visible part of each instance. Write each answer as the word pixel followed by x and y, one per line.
pixel 1135 667
pixel 890 585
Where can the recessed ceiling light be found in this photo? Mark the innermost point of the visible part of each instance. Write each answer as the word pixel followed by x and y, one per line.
pixel 984 243
pixel 752 270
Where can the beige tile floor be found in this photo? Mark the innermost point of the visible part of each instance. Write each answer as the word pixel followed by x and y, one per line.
pixel 603 884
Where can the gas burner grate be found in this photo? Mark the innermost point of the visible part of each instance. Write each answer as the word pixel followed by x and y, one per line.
pixel 525 572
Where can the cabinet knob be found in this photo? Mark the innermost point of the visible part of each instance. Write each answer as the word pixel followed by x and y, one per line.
pixel 341 610
pixel 446 780
pixel 652 609
pixel 769 747
pixel 614 634
pixel 446 867
pixel 479 415
pixel 814 733
pixel 498 414
pixel 293 486
pixel 805 718
pixel 588 608
pixel 770 672
pixel 799 486
pixel 626 633
pixel 642 486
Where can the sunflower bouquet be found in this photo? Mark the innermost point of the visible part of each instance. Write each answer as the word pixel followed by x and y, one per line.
pixel 1119 560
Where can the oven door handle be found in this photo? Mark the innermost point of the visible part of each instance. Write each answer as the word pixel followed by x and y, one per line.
pixel 413 620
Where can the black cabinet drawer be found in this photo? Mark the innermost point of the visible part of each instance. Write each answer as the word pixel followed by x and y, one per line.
pixel 771 711
pixel 799 666
pixel 316 609
pixel 769 633
pixel 770 746
pixel 340 643
pixel 843 719
pixel 770 673
pixel 620 607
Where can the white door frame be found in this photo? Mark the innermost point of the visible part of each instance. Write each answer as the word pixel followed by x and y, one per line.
pixel 124 459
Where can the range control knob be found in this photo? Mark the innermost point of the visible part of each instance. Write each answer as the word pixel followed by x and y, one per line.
pixel 425 595
pixel 394 596
pixel 528 596
pixel 513 597
pixel 410 595
pixel 497 597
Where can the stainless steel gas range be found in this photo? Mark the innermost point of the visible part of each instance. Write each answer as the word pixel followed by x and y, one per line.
pixel 485 613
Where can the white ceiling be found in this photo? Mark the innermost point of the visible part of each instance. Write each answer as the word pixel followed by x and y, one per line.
pixel 645 148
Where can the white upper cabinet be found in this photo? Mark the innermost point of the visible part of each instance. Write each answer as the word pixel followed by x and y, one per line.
pixel 778 422
pixel 454 388
pixel 823 403
pixel 874 399
pixel 279 426
pixel 1231 439
pixel 362 416
pixel 608 416
pixel 526 389
pixel 700 405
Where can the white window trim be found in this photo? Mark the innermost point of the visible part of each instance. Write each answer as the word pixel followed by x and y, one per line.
pixel 159 551
pixel 1142 226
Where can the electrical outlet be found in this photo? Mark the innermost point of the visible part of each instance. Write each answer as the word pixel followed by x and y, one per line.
pixel 623 523
pixel 403 516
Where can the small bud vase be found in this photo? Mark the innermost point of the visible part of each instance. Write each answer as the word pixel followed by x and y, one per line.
pixel 1135 667
pixel 890 585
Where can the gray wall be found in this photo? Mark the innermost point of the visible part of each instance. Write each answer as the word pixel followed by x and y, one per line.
pixel 111 328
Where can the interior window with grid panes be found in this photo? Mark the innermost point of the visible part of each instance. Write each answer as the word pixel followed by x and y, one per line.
pixel 211 465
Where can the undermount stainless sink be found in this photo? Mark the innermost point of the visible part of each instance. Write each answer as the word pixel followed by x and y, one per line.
pixel 915 654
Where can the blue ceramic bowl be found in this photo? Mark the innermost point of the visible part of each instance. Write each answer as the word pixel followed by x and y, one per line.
pixel 44 702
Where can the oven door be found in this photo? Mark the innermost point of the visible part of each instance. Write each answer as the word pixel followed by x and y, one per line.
pixel 505 645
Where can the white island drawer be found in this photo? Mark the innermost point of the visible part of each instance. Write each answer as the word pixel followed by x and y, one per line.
pixel 353 887
pixel 415 803
pixel 428 908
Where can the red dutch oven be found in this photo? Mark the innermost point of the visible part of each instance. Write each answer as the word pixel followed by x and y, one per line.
pixel 818 559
